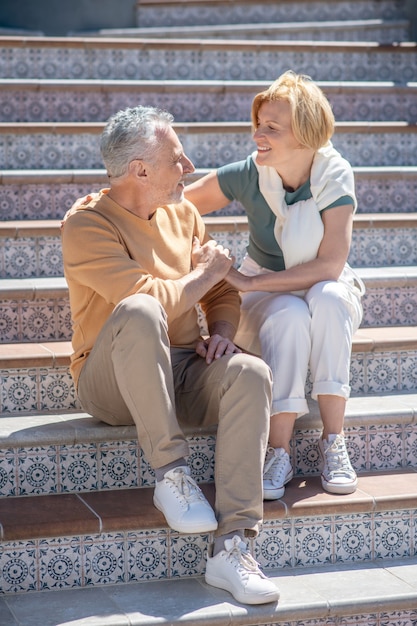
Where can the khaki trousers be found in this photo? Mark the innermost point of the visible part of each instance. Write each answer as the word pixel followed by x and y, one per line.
pixel 133 375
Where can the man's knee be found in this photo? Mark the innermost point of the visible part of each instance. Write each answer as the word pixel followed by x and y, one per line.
pixel 138 310
pixel 251 372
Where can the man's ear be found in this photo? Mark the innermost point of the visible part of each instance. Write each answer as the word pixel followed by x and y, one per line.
pixel 138 168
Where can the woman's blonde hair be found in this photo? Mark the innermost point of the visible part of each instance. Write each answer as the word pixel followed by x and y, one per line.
pixel 312 118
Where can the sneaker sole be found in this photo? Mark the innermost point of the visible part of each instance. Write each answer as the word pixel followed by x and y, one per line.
pixel 220 583
pixel 276 494
pixel 339 489
pixel 184 528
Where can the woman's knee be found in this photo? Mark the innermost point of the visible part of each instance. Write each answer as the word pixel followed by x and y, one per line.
pixel 326 297
pixel 292 314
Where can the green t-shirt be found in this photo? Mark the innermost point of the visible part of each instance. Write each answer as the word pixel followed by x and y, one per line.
pixel 239 181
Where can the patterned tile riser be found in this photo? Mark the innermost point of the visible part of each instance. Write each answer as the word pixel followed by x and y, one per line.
pixel 371 247
pixel 370 33
pixel 385 618
pixel 80 106
pixel 264 12
pixel 35 321
pixel 78 468
pixel 114 558
pixel 89 467
pixel 67 151
pixel 25 391
pixel 50 201
pixel 210 64
pixel 50 320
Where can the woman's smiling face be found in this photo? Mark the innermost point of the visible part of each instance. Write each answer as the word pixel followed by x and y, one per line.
pixel 274 137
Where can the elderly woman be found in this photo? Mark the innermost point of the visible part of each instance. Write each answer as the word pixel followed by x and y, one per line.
pixel 301 302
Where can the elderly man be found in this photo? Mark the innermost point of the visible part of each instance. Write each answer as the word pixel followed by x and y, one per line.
pixel 137 260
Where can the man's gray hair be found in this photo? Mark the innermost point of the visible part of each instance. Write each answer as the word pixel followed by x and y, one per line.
pixel 132 134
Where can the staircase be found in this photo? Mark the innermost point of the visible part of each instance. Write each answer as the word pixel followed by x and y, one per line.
pixel 81 542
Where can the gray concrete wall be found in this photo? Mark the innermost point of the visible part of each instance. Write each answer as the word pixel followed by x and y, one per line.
pixel 59 17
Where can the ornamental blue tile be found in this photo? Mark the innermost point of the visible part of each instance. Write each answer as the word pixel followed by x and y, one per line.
pixel 59 563
pixel 19 391
pixel 410 446
pixel 188 555
pixel 382 372
pixel 104 560
pixel 18 567
pixel 37 470
pixel 57 390
pixel 19 258
pixel 118 462
pixel 201 458
pixel 353 538
pixel 392 534
pixel 147 555
pixel 312 542
pixel 385 447
pixel 8 474
pixel 273 547
pixel 408 370
pixel 78 468
pixel 405 307
pixel 305 453
pixel 9 322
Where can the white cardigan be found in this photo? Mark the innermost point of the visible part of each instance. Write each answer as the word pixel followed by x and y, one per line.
pixel 299 228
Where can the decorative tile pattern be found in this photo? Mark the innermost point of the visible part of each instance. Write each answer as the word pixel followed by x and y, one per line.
pixel 147 555
pixel 110 558
pixel 392 534
pixel 35 321
pixel 274 546
pixel 113 558
pixel 391 194
pixel 45 150
pixel 353 536
pixel 265 12
pixel 216 105
pixel 312 542
pixel 188 555
pixel 151 63
pixel 28 390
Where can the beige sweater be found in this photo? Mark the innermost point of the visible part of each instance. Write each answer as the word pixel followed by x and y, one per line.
pixel 109 254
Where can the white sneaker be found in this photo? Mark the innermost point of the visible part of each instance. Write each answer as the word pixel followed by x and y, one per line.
pixel 236 571
pixel 338 475
pixel 277 473
pixel 183 503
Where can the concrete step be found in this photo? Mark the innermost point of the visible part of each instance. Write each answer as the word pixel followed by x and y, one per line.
pixel 70 541
pixel 32 248
pixel 35 376
pixel 153 13
pixel 83 100
pixel 170 59
pixel 47 194
pixel 384 31
pixel 37 309
pixel 43 145
pixel 62 452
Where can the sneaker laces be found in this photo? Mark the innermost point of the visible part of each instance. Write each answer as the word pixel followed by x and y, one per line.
pixel 337 459
pixel 186 488
pixel 275 468
pixel 240 558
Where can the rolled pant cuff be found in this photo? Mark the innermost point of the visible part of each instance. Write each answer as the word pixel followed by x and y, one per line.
pixel 294 405
pixel 329 388
pixel 250 529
